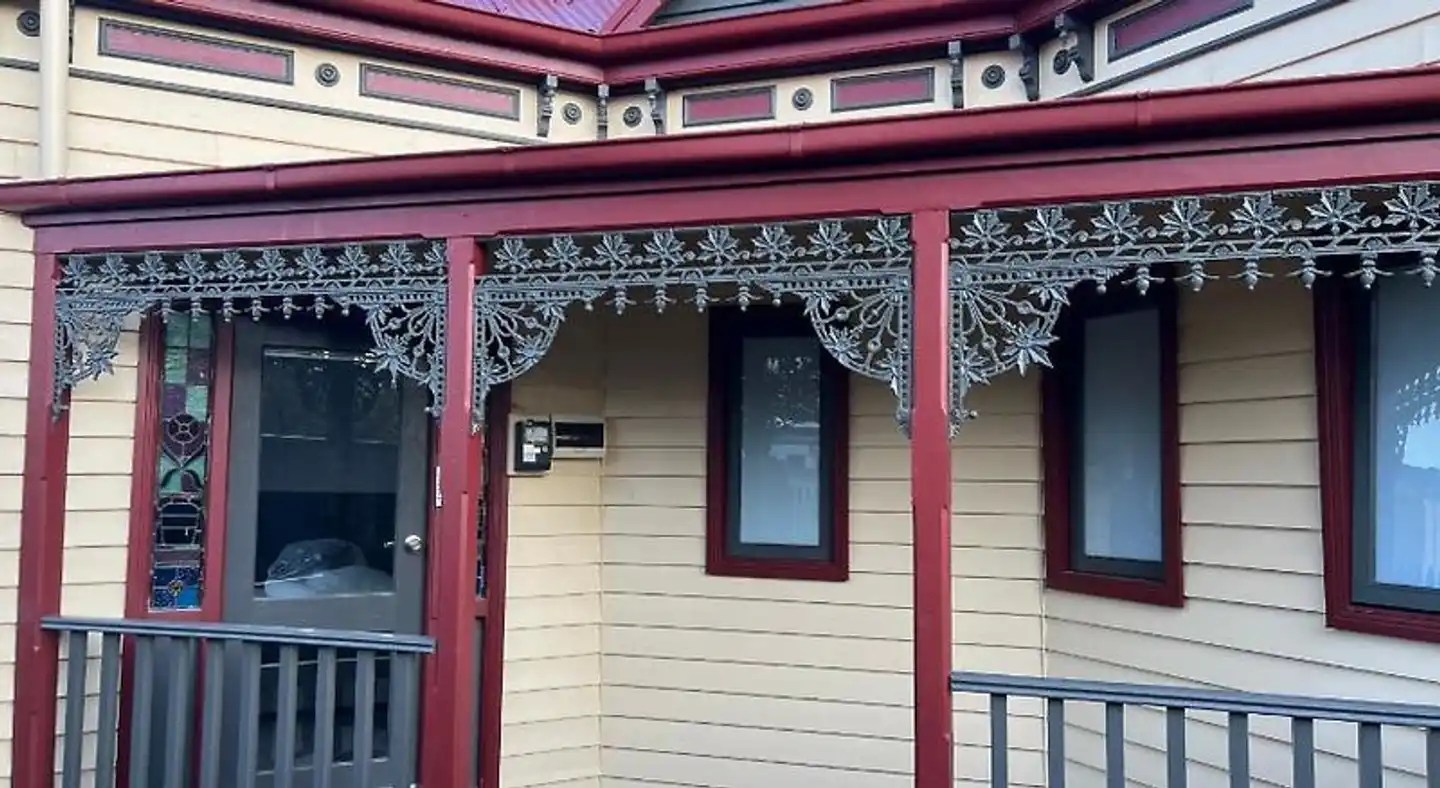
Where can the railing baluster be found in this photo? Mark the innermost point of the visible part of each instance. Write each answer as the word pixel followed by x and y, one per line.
pixel 1055 741
pixel 1176 775
pixel 212 715
pixel 179 712
pixel 364 716
pixel 325 669
pixel 247 754
pixel 999 742
pixel 1302 751
pixel 287 689
pixel 1432 757
pixel 1238 728
pixel 1115 745
pixel 404 687
pixel 109 716
pixel 77 654
pixel 142 710
pixel 1371 764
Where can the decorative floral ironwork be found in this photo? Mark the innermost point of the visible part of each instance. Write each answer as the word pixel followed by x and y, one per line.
pixel 851 275
pixel 399 286
pixel 1012 269
pixel 182 465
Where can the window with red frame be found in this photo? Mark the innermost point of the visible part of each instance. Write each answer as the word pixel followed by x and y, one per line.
pixel 1111 448
pixel 777 449
pixel 1378 370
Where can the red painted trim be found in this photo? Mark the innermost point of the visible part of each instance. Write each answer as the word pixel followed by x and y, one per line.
pixel 42 543
pixel 930 491
pixel 1302 106
pixel 762 57
pixel 447 707
pixel 217 492
pixel 1060 385
pixel 446 47
pixel 631 15
pixel 140 544
pixel 467 23
pixel 626 50
pixel 728 331
pixel 188 50
pixel 1335 370
pixel 1165 20
pixel 492 647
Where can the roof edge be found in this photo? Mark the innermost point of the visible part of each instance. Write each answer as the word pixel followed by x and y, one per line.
pixel 1305 104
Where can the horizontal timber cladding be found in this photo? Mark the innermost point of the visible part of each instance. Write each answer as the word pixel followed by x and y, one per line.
pixel 169 47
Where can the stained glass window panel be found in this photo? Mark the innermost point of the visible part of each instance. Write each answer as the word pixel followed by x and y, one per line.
pixel 178 526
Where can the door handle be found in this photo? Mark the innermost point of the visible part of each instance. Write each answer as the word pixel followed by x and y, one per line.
pixel 412 544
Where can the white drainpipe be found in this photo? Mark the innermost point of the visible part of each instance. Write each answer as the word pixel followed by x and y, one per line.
pixel 54 87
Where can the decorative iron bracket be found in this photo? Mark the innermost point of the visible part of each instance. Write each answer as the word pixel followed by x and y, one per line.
pixel 1012 269
pixel 399 286
pixel 852 277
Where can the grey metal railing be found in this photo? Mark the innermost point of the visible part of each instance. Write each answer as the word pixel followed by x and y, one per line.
pixel 1369 719
pixel 228 705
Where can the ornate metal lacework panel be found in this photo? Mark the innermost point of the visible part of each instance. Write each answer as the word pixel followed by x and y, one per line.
pixel 399 286
pixel 852 276
pixel 181 476
pixel 1011 269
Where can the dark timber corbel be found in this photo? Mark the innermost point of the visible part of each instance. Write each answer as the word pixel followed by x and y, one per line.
pixel 1080 47
pixel 955 52
pixel 548 88
pixel 656 96
pixel 602 111
pixel 1029 65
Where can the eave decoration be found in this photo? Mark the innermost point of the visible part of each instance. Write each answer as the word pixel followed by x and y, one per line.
pixel 851 275
pixel 399 286
pixel 1012 269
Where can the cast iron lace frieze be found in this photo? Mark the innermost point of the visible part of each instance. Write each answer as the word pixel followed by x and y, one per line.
pixel 852 277
pixel 398 286
pixel 1012 269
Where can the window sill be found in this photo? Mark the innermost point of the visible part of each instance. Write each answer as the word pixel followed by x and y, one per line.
pixel 1401 624
pixel 777 569
pixel 1167 593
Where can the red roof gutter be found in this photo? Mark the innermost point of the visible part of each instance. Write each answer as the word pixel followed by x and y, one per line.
pixel 1309 104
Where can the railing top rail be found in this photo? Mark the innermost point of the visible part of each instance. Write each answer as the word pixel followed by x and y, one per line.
pixel 250 633
pixel 1299 706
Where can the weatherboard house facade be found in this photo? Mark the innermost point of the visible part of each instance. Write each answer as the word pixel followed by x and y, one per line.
pixel 719 393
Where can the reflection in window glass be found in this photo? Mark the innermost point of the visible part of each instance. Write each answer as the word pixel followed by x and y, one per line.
pixel 1121 441
pixel 329 456
pixel 779 464
pixel 1406 435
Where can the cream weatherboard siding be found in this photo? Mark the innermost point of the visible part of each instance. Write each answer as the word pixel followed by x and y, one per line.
pixel 727 682
pixel 1254 613
pixel 125 119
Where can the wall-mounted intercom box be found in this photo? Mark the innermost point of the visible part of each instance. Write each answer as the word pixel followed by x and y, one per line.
pixel 538 440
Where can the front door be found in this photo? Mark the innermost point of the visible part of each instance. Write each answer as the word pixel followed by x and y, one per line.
pixel 326 527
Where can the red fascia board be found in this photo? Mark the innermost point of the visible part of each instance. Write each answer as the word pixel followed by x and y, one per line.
pixel 468 22
pixel 817 51
pixel 365 35
pixel 806 24
pixel 1196 113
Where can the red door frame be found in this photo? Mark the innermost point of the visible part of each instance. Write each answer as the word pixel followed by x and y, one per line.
pixel 1216 158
